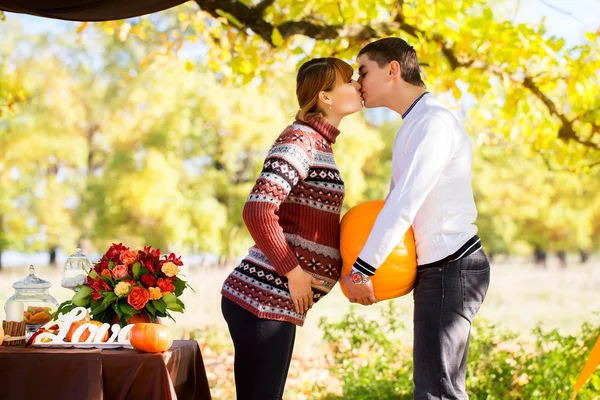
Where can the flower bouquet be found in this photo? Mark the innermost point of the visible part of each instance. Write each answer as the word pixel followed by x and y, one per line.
pixel 136 285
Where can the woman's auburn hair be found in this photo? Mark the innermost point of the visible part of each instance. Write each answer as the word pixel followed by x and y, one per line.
pixel 315 76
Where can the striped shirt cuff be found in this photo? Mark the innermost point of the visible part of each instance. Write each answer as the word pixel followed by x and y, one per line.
pixel 363 267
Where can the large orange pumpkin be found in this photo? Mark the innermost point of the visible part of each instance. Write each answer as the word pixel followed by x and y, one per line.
pixel 396 276
pixel 86 332
pixel 151 338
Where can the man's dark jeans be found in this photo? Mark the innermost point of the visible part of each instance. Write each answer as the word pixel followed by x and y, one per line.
pixel 446 301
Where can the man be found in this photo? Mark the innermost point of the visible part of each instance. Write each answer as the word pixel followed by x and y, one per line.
pixel 431 190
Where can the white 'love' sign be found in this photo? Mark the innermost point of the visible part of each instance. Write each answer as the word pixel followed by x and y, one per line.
pixel 118 336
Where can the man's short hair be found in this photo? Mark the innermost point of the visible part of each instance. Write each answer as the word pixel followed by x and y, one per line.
pixel 384 51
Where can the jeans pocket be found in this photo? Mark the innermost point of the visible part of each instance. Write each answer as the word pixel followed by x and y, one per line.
pixel 475 284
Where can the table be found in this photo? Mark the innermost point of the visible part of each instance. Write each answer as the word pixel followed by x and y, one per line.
pixel 55 373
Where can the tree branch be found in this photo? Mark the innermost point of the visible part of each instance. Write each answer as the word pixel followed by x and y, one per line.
pixel 252 18
pixel 262 6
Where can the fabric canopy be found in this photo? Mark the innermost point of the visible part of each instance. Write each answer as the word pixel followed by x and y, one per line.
pixel 87 10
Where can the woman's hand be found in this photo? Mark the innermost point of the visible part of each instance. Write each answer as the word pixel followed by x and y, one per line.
pixel 299 283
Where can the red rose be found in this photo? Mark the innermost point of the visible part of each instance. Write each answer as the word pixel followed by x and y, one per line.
pixel 96 296
pixel 138 297
pixel 148 280
pixel 165 285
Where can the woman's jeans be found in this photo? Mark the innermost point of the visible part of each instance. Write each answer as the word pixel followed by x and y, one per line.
pixel 263 351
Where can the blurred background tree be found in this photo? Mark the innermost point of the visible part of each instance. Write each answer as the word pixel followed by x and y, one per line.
pixel 152 130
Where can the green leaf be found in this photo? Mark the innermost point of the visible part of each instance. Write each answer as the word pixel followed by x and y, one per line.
pixel 179 286
pixel 82 297
pixel 144 271
pixel 181 303
pixel 93 274
pixel 136 270
pixel 95 303
pixel 126 309
pixel 160 305
pixel 64 308
pixel 174 307
pixel 108 300
pixel 150 308
pixel 169 298
pixel 111 265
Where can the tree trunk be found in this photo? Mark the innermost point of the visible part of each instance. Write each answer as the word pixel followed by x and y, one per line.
pixel 52 253
pixel 584 256
pixel 562 258
pixel 539 257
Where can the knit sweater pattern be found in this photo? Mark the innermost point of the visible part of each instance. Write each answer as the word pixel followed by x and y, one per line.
pixel 293 215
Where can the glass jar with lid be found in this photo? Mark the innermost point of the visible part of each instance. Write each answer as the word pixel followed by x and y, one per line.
pixel 75 270
pixel 38 304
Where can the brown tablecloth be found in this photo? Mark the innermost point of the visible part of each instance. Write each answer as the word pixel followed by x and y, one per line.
pixel 53 373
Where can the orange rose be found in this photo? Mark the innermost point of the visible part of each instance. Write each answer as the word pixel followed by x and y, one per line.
pixel 128 257
pixel 138 297
pixel 106 272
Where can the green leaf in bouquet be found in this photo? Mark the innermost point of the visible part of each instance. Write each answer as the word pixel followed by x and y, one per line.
pixel 150 308
pixel 169 298
pixel 136 270
pixel 93 274
pixel 64 308
pixel 174 307
pixel 179 286
pixel 109 297
pixel 119 312
pixel 111 265
pixel 95 303
pixel 107 279
pixel 144 271
pixel 108 300
pixel 126 309
pixel 82 297
pixel 181 303
pixel 160 305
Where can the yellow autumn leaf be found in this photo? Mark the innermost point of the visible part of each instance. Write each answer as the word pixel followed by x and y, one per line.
pixel 276 37
pixel 82 27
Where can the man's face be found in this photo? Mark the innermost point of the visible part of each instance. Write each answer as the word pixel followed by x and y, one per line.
pixel 375 82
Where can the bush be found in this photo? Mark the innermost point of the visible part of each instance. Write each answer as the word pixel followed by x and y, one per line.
pixel 372 364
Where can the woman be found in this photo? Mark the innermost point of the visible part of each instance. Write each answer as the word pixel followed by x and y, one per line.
pixel 293 215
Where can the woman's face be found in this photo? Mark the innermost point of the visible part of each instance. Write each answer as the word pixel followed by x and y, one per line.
pixel 344 99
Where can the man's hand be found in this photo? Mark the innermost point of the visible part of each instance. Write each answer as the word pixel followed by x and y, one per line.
pixel 362 294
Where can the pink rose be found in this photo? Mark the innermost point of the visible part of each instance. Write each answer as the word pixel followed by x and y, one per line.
pixel 120 271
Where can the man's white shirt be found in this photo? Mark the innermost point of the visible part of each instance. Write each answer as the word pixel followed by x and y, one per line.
pixel 430 187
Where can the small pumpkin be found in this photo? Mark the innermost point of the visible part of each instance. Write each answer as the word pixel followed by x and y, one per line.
pixel 86 333
pixel 396 276
pixel 151 338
